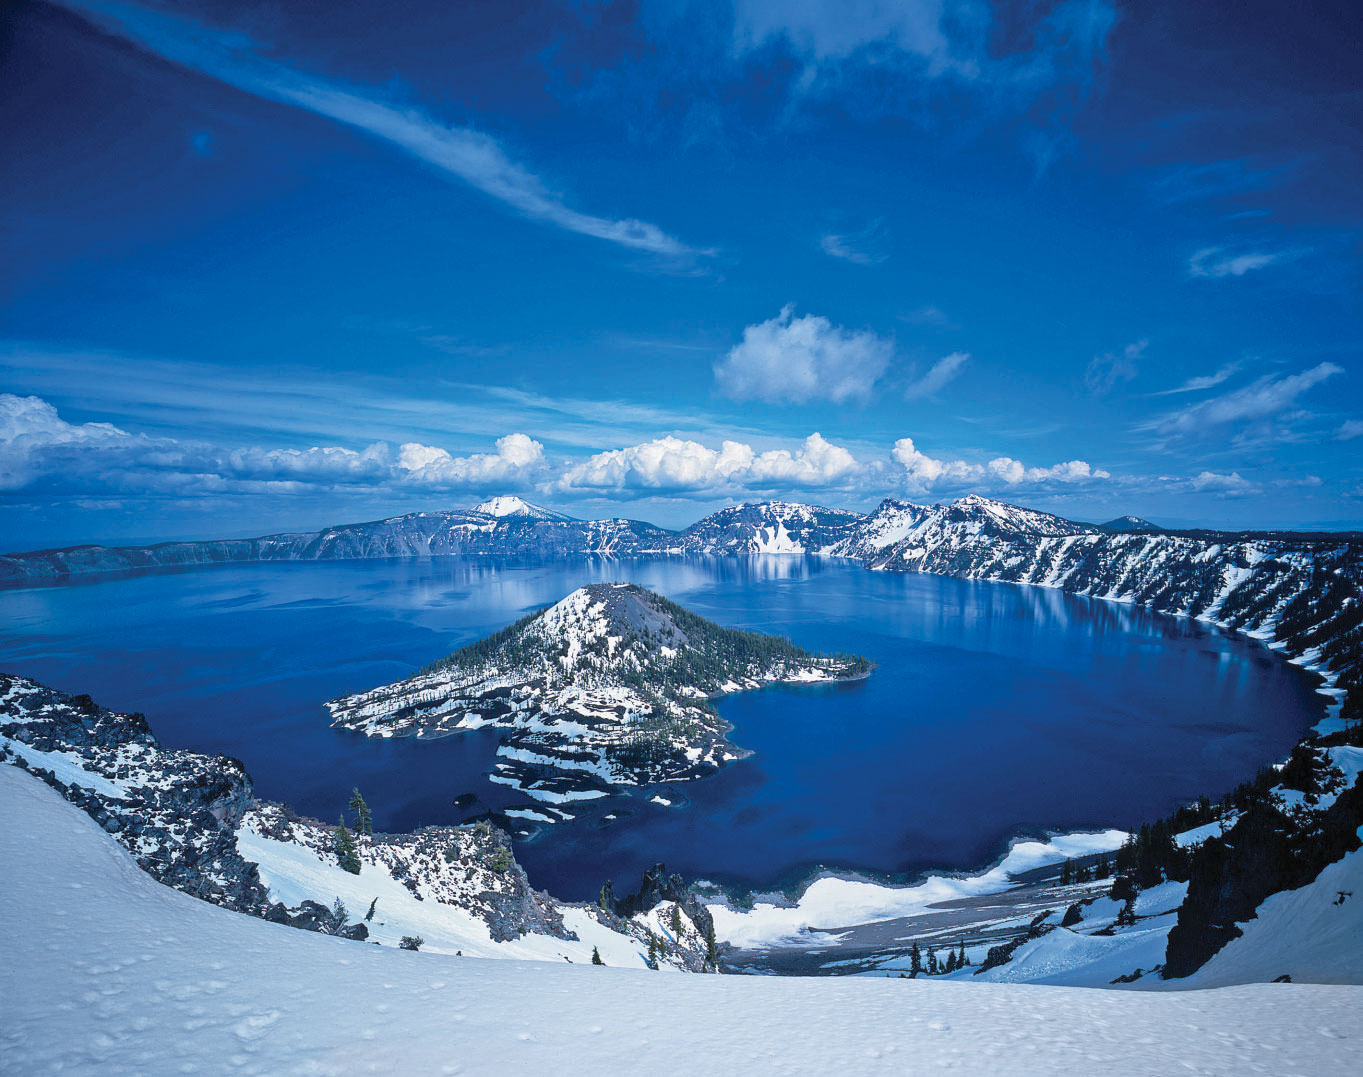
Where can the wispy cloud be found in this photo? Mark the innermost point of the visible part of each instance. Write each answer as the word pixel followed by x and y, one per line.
pixel 461 152
pixel 1217 262
pixel 933 317
pixel 866 247
pixel 1205 381
pixel 1216 179
pixel 938 375
pixel 1267 398
pixel 798 360
pixel 1105 372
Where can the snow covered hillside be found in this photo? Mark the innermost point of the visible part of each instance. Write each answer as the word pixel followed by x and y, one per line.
pixel 108 972
pixel 610 686
pixel 190 821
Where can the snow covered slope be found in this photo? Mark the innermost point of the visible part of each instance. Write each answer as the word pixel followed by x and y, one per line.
pixel 189 821
pixel 610 686
pixel 107 972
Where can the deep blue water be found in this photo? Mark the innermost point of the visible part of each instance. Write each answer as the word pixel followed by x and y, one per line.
pixel 995 710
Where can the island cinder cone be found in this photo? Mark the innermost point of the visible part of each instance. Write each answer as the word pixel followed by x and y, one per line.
pixel 610 686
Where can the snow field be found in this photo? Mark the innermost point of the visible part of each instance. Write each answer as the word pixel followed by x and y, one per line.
pixel 108 972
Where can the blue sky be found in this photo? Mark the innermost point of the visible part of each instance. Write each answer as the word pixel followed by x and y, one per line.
pixel 275 266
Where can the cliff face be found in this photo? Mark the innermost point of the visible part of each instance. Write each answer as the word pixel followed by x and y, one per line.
pixel 189 821
pixel 1303 594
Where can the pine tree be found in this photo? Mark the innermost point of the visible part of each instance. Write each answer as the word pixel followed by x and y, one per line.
pixel 596 957
pixel 915 962
pixel 676 921
pixel 339 915
pixel 962 961
pixel 364 822
pixel 372 906
pixel 346 855
pixel 933 968
pixel 1067 872
pixel 711 947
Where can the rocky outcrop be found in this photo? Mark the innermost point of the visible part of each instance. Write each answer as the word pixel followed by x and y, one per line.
pixel 1270 848
pixel 174 811
pixel 179 814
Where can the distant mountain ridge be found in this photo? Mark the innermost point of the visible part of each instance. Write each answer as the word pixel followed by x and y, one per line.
pixel 500 527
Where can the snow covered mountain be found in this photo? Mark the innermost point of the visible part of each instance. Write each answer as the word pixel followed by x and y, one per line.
pixel 610 686
pixel 769 527
pixel 1129 523
pixel 510 505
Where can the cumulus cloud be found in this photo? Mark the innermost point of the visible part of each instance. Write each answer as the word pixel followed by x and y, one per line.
pixel 1105 371
pixel 1352 428
pixel 1263 399
pixel 671 463
pixel 795 360
pixel 922 471
pixel 1214 262
pixel 31 429
pixel 461 152
pixel 1225 484
pixel 39 449
pixel 516 458
pixel 938 375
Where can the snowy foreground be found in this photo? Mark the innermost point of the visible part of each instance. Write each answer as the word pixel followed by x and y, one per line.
pixel 106 971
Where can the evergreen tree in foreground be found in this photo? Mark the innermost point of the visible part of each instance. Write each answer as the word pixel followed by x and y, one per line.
pixel 596 957
pixel 346 854
pixel 364 821
pixel 915 961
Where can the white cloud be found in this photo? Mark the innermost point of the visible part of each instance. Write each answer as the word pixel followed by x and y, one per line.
pixel 1226 484
pixel 1105 371
pixel 1206 381
pixel 1215 262
pixel 922 471
pixel 517 457
pixel 938 375
pixel 671 463
pixel 40 450
pixel 1352 428
pixel 461 152
pixel 866 247
pixel 1265 398
pixel 796 360
pixel 31 429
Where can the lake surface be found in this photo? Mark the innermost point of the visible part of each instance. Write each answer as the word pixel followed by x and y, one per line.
pixel 996 710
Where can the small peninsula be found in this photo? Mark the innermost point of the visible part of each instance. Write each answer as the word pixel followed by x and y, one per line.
pixel 611 686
